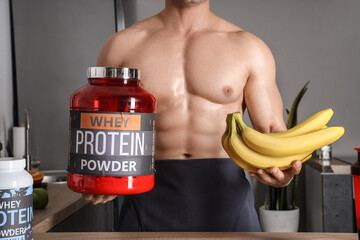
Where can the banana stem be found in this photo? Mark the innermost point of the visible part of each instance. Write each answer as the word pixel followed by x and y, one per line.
pixel 233 124
pixel 240 123
pixel 228 123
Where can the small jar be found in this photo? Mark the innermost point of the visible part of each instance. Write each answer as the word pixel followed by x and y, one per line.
pixel 324 153
pixel 112 134
pixel 16 200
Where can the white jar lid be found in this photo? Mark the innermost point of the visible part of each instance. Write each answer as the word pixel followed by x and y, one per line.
pixel 12 163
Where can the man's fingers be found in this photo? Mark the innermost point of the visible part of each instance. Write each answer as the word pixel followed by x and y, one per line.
pixel 95 199
pixel 87 197
pixel 275 178
pixel 256 176
pixel 296 167
pixel 264 177
pixel 108 198
pixel 277 174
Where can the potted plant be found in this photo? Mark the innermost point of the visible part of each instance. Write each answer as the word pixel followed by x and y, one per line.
pixel 278 214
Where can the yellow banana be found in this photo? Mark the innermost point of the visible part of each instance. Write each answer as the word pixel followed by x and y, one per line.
pixel 278 147
pixel 315 122
pixel 225 144
pixel 240 153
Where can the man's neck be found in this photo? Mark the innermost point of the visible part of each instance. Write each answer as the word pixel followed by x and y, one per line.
pixel 187 19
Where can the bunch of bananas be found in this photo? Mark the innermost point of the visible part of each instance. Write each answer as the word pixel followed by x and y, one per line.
pixel 252 150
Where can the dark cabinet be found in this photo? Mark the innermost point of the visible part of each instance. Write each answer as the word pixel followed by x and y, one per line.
pixel 92 218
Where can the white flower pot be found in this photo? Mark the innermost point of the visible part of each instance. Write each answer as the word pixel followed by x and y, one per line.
pixel 279 221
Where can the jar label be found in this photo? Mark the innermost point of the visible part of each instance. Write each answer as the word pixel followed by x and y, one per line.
pixel 16 213
pixel 111 143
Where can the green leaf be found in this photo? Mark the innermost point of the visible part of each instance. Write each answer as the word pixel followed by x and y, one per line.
pixel 291 122
pixel 292 117
pixel 278 197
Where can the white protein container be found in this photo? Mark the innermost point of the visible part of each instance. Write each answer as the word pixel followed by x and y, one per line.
pixel 16 200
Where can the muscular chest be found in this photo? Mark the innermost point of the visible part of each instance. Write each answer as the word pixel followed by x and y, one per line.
pixel 175 67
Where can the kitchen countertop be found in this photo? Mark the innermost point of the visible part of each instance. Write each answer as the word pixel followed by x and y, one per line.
pixel 62 203
pixel 191 235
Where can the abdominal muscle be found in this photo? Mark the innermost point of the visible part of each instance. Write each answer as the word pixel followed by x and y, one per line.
pixel 195 88
pixel 191 131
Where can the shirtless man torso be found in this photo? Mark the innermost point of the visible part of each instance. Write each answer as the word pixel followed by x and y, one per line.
pixel 200 68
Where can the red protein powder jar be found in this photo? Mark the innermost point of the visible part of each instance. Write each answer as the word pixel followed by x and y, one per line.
pixel 355 172
pixel 112 134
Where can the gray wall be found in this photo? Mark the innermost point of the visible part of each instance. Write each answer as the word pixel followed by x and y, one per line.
pixel 55 43
pixel 316 41
pixel 310 40
pixel 6 96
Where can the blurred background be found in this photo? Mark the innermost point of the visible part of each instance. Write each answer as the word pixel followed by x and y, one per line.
pixel 47 45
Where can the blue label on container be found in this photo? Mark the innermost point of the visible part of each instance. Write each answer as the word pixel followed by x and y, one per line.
pixel 16 213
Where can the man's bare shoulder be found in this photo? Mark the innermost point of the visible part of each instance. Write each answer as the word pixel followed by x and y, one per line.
pixel 247 47
pixel 248 41
pixel 240 37
pixel 123 42
pixel 255 49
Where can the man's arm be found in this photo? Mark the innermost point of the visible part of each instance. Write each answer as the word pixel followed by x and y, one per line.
pixel 111 52
pixel 265 107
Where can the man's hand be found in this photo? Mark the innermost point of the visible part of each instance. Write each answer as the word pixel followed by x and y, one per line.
pixel 278 178
pixel 95 199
